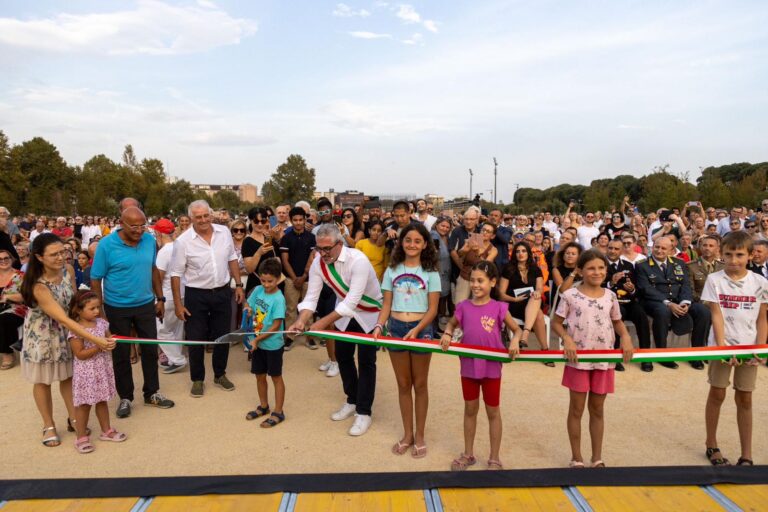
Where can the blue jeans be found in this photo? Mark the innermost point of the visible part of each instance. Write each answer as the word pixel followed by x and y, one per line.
pixel 398 329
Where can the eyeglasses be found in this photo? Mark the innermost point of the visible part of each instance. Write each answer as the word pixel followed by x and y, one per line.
pixel 238 230
pixel 323 212
pixel 60 254
pixel 750 226
pixel 628 243
pixel 5 260
pixel 326 250
pixel 136 227
pixel 488 231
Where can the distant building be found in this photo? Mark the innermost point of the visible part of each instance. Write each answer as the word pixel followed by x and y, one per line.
pixel 245 192
pixel 436 200
pixel 349 198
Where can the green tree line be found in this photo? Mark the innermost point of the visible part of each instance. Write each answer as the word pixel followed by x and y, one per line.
pixel 35 178
pixel 741 184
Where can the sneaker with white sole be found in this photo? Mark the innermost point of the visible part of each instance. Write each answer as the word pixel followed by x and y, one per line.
pixel 333 369
pixel 324 367
pixel 361 425
pixel 173 368
pixel 345 412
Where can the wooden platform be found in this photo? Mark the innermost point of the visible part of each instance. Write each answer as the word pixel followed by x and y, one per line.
pixel 583 498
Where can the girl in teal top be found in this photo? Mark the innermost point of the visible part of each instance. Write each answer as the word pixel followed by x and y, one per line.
pixel 411 289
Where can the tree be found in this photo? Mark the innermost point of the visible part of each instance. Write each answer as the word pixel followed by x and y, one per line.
pixel 48 182
pixel 662 189
pixel 227 199
pixel 292 181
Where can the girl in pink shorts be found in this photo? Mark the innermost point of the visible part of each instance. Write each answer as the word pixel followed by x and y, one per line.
pixel 592 313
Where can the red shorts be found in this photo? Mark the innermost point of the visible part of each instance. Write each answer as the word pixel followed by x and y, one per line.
pixel 599 382
pixel 491 390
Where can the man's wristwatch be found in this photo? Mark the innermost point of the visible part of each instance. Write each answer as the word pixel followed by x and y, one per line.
pixel 238 285
pixel 160 299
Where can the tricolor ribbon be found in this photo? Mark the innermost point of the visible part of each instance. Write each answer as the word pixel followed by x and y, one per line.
pixel 741 352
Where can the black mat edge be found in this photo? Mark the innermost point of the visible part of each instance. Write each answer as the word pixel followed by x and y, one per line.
pixel 366 482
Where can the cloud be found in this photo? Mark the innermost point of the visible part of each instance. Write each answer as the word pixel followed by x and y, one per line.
pixel 414 39
pixel 228 139
pixel 430 25
pixel 370 35
pixel 345 11
pixel 153 27
pixel 377 120
pixel 408 14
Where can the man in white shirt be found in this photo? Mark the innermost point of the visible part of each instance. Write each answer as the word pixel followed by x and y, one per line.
pixel 358 302
pixel 89 231
pixel 170 327
pixel 205 257
pixel 588 231
pixel 423 216
pixel 724 226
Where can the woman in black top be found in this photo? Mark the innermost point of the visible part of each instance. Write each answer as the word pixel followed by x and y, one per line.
pixel 522 272
pixel 257 246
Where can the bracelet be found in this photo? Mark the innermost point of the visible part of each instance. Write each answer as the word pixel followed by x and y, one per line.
pixel 448 334
pixel 379 326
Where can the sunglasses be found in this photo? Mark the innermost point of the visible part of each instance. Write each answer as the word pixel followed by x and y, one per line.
pixel 750 226
pixel 238 230
pixel 262 221
pixel 348 216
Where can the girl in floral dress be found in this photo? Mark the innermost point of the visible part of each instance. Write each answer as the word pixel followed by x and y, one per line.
pixel 93 381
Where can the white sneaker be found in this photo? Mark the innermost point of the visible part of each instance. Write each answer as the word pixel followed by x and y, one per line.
pixel 333 369
pixel 361 425
pixel 324 367
pixel 345 412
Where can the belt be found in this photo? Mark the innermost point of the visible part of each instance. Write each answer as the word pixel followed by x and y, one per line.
pixel 218 289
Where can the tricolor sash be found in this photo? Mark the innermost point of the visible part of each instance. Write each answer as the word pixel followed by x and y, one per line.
pixel 340 288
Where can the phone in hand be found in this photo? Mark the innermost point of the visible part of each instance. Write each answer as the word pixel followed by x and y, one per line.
pixel 693 203
pixel 268 239
pixel 337 219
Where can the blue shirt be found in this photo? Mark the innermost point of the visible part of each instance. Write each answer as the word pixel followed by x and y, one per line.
pixel 410 287
pixel 125 271
pixel 267 307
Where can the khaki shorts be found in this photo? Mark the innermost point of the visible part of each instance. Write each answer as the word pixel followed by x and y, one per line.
pixel 744 376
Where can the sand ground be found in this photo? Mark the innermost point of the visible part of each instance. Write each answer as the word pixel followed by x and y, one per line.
pixel 653 419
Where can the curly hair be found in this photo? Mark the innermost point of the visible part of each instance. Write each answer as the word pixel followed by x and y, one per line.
pixel 429 256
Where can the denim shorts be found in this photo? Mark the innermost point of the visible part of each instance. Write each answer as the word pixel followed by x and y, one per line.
pixel 398 329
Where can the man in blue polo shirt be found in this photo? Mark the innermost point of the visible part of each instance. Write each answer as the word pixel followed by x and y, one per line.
pixel 124 276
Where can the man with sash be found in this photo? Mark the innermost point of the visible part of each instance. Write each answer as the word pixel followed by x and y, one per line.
pixel 350 275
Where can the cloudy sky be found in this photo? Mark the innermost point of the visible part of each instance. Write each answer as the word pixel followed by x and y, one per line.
pixel 392 97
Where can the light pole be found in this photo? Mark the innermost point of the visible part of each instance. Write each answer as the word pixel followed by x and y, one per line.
pixel 494 179
pixel 470 184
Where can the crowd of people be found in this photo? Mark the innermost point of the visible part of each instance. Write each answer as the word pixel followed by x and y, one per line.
pixel 411 272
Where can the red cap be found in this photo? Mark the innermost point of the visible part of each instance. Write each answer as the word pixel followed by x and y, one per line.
pixel 164 226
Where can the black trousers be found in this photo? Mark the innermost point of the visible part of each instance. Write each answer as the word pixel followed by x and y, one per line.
pixel 633 312
pixel 121 321
pixel 9 331
pixel 211 311
pixel 359 382
pixel 697 322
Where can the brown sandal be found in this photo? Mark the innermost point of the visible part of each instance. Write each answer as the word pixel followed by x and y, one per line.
pixel 463 462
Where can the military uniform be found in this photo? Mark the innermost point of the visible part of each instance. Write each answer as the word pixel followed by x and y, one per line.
pixel 671 283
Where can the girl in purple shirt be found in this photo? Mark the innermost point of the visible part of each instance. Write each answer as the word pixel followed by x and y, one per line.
pixel 481 319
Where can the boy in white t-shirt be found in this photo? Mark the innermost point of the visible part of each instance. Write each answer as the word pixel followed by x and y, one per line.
pixel 737 299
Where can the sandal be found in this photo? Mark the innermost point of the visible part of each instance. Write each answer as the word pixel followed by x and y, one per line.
pixel 717 461
pixel 113 435
pixel 270 422
pixel 7 364
pixel 576 464
pixel 83 445
pixel 71 428
pixel 258 413
pixel 399 448
pixel 744 462
pixel 598 464
pixel 463 462
pixel 494 465
pixel 52 440
pixel 419 452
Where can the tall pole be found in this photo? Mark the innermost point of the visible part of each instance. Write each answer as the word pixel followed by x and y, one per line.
pixel 470 184
pixel 494 179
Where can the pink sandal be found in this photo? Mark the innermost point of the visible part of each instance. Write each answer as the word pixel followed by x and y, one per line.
pixel 83 445
pixel 113 435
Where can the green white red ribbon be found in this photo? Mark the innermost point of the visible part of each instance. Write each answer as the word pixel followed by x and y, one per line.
pixel 741 352
pixel 341 289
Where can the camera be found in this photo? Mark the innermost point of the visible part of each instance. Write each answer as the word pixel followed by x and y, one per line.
pixel 664 215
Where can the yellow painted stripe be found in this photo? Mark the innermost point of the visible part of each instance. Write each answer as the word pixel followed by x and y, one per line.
pixel 402 501
pixel 662 498
pixel 522 498
pixel 747 497
pixel 217 503
pixel 80 505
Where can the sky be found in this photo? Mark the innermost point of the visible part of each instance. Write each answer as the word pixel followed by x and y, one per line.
pixel 388 97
